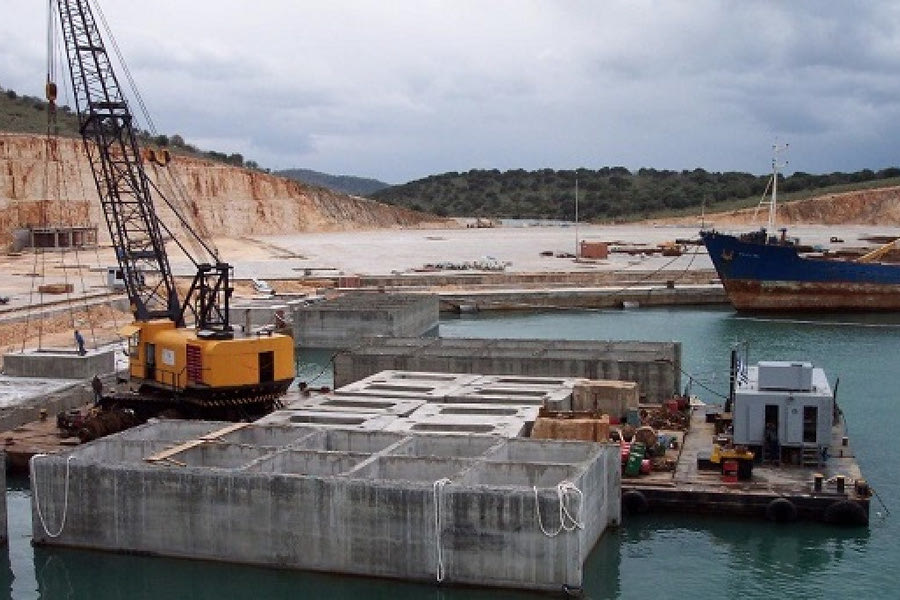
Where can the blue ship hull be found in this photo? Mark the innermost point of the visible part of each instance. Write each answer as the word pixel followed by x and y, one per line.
pixel 764 276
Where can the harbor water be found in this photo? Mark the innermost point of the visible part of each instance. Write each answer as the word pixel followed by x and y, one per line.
pixel 654 556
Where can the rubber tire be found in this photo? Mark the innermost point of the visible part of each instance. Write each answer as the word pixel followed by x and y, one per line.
pixel 846 512
pixel 634 502
pixel 781 510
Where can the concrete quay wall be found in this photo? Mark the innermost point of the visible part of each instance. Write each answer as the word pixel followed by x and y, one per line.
pixel 23 399
pixel 462 509
pixel 539 279
pixel 654 366
pixel 526 299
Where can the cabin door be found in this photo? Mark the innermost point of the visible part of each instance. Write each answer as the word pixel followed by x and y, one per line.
pixel 771 441
pixel 150 361
pixel 810 424
pixel 266 367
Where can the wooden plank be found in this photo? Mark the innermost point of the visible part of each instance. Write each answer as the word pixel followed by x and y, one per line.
pixel 213 435
pixel 169 452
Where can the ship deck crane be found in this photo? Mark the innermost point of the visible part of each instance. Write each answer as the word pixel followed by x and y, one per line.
pixel 183 354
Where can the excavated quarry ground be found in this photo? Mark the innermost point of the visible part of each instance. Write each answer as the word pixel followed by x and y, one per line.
pixel 287 262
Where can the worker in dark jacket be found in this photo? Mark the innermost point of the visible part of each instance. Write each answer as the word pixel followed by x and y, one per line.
pixel 97 386
pixel 79 343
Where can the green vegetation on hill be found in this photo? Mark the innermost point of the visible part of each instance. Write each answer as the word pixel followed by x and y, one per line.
pixel 607 194
pixel 27 114
pixel 345 184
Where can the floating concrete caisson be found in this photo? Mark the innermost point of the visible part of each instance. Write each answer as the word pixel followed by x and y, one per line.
pixel 343 321
pixel 654 366
pixel 458 509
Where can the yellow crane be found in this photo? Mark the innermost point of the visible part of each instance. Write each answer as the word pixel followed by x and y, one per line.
pixel 183 353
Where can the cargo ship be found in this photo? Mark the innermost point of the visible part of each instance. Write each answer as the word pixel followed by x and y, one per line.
pixel 762 272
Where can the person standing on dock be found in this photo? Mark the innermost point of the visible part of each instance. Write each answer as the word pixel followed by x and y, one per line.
pixel 79 343
pixel 97 386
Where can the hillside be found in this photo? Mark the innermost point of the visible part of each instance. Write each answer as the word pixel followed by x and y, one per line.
pixel 27 114
pixel 879 206
pixel 225 201
pixel 611 194
pixel 344 184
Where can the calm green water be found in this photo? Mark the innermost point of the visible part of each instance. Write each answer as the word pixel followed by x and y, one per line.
pixel 653 557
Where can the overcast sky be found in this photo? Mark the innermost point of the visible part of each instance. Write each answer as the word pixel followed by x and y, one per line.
pixel 401 90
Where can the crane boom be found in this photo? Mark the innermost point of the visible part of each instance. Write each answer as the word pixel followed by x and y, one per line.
pixel 107 128
pixel 208 370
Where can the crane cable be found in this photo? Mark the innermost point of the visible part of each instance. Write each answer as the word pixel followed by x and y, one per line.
pixel 179 195
pixel 62 196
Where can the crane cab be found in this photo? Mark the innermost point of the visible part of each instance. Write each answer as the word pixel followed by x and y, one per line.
pixel 169 360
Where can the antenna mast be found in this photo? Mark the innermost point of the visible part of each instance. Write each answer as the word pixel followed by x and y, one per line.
pixel 776 150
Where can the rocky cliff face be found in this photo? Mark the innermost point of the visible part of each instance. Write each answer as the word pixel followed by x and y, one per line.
pixel 868 207
pixel 48 182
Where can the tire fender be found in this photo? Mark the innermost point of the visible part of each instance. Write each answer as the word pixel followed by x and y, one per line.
pixel 781 510
pixel 846 512
pixel 634 502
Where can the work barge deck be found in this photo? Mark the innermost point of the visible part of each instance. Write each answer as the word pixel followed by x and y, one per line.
pixel 832 491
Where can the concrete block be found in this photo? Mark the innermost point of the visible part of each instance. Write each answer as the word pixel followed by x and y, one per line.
pixel 338 440
pixel 456 410
pixel 308 463
pixel 343 321
pixel 59 364
pixel 122 452
pixel 357 421
pixel 268 436
pixel 519 474
pixel 4 532
pixel 456 446
pixel 552 397
pixel 408 384
pixel 537 382
pixel 461 424
pixel 171 430
pixel 532 451
pixel 605 396
pixel 219 456
pixel 353 502
pixel 397 407
pixel 422 469
pixel 255 315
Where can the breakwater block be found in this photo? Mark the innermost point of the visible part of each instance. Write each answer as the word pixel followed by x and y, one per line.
pixel 472 510
pixel 59 363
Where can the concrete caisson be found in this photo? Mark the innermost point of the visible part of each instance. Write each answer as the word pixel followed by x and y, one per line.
pixel 4 535
pixel 654 366
pixel 458 509
pixel 59 364
pixel 343 321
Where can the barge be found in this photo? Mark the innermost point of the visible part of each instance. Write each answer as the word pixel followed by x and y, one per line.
pixel 777 450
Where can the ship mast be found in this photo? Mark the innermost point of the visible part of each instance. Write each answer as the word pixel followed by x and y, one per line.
pixel 776 149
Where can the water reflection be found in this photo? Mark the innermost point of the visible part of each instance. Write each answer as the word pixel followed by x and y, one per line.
pixel 68 573
pixel 6 573
pixel 702 557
